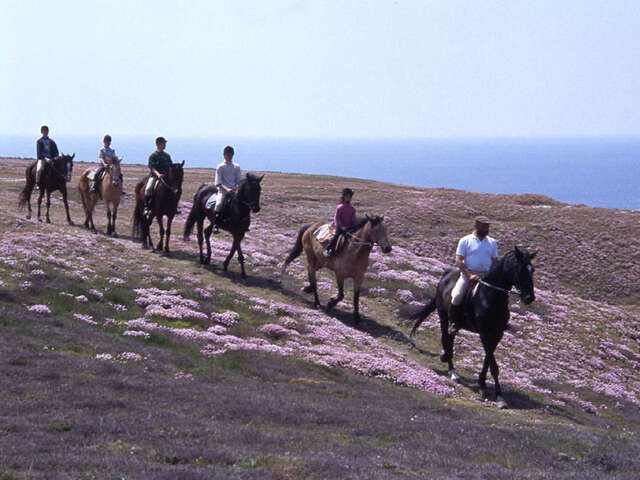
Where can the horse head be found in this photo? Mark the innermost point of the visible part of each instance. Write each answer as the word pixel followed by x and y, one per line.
pixel 522 274
pixel 378 233
pixel 114 171
pixel 176 175
pixel 64 165
pixel 250 191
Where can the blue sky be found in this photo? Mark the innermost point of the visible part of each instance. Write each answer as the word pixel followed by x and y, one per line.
pixel 321 69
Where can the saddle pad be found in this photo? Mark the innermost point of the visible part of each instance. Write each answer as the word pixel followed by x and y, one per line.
pixel 325 232
pixel 211 202
pixel 92 173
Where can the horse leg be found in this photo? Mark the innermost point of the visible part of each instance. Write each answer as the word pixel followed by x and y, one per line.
pixel 200 240
pixel 113 220
pixel 234 247
pixel 490 342
pixel 447 340
pixel 357 282
pixel 207 234
pixel 313 286
pixel 161 228
pixel 241 256
pixel 48 206
pixel 147 242
pixel 66 205
pixel 166 241
pixel 40 195
pixel 334 300
pixel 108 219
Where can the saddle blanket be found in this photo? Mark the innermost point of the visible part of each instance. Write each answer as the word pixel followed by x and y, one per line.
pixel 210 204
pixel 325 232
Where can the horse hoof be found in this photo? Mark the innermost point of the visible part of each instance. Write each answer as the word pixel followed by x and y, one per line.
pixel 28 216
pixel 39 219
pixel 502 403
pixel 308 289
pixel 114 235
pixel 484 393
pixel 71 223
pixel 454 376
pixel 444 358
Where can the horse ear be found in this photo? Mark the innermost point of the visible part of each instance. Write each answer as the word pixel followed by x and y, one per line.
pixel 366 215
pixel 518 253
pixel 182 163
pixel 260 178
pixel 533 255
pixel 73 155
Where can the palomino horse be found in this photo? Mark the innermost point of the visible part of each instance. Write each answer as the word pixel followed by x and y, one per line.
pixel 237 221
pixel 110 190
pixel 486 312
pixel 351 262
pixel 55 177
pixel 165 203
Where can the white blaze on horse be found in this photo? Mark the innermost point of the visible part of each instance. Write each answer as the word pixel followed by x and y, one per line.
pixel 109 190
pixel 350 261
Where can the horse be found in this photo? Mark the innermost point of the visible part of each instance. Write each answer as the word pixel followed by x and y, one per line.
pixel 165 203
pixel 245 201
pixel 54 177
pixel 486 311
pixel 350 262
pixel 110 190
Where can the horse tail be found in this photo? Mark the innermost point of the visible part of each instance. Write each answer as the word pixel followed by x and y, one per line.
pixel 296 250
pixel 28 188
pixel 138 217
pixel 193 214
pixel 421 315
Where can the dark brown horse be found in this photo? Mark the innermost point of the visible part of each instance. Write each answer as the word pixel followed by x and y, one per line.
pixel 237 216
pixel 165 203
pixel 486 311
pixel 54 177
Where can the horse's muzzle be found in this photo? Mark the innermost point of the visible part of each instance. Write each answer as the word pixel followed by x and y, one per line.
pixel 386 249
pixel 255 208
pixel 528 298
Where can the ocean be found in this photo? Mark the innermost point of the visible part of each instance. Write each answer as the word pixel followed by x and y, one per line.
pixel 601 172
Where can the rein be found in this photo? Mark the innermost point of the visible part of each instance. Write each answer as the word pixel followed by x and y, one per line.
pixel 500 289
pixel 358 240
pixel 171 189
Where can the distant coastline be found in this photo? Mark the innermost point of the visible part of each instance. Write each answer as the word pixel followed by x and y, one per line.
pixel 594 171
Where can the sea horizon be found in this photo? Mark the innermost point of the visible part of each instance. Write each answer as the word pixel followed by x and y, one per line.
pixel 600 171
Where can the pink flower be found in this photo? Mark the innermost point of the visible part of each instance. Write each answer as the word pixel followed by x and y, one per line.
pixel 39 309
pixel 85 318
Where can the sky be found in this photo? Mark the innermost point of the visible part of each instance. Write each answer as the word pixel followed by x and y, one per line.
pixel 289 68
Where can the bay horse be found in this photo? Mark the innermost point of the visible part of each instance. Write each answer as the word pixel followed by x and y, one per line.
pixel 486 312
pixel 55 176
pixel 242 203
pixel 109 191
pixel 350 262
pixel 165 203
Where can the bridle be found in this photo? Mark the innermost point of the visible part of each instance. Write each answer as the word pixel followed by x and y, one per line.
pixel 500 289
pixel 53 167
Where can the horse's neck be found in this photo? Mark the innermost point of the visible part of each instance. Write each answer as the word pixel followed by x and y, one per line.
pixel 362 236
pixel 498 275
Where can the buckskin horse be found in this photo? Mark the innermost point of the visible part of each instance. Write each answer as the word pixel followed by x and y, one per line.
pixel 54 177
pixel 165 203
pixel 110 190
pixel 237 216
pixel 486 310
pixel 349 262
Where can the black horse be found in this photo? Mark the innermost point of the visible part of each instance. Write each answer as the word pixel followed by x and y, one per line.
pixel 486 312
pixel 236 216
pixel 54 177
pixel 165 203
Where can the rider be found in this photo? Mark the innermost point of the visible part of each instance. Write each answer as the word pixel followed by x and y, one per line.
pixel 159 165
pixel 106 156
pixel 46 149
pixel 475 255
pixel 344 219
pixel 228 176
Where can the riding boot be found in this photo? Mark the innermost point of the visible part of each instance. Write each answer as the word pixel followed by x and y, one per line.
pixel 217 221
pixel 147 205
pixel 456 317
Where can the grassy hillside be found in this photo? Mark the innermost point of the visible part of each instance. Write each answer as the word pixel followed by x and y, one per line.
pixel 119 362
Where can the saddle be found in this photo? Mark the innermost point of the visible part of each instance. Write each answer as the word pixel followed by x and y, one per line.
pixel 324 234
pixel 210 206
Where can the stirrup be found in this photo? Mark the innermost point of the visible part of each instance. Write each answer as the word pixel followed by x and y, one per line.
pixel 327 253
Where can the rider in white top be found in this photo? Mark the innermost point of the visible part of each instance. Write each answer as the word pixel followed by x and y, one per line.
pixel 475 255
pixel 106 156
pixel 228 176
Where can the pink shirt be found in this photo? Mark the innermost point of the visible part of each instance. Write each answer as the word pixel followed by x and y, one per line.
pixel 345 216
